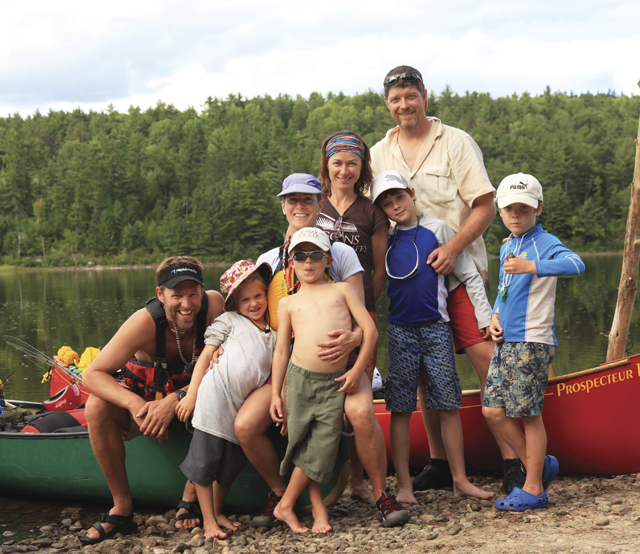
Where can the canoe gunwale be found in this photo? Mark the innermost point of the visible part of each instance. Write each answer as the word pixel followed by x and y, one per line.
pixel 45 436
pixel 558 378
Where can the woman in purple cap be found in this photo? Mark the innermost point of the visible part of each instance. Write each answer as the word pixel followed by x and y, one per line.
pixel 348 216
pixel 301 204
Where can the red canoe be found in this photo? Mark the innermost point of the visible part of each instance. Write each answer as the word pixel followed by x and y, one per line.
pixel 592 423
pixel 62 377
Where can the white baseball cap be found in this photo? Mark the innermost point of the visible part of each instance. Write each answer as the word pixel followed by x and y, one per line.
pixel 387 180
pixel 314 236
pixel 519 187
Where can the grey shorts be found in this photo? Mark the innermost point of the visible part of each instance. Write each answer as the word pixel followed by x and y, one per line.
pixel 212 458
pixel 518 376
pixel 314 416
pixel 430 347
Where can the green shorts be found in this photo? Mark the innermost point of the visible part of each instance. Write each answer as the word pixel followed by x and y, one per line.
pixel 314 418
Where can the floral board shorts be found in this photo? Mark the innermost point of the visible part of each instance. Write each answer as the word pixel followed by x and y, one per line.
pixel 518 376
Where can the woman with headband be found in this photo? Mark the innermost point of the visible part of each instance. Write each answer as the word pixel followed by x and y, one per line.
pixel 348 216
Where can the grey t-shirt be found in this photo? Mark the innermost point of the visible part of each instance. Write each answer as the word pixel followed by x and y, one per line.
pixel 244 366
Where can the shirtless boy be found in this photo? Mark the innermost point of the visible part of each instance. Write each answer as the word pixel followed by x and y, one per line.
pixel 315 389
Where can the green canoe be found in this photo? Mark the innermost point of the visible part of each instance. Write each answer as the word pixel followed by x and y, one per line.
pixel 63 465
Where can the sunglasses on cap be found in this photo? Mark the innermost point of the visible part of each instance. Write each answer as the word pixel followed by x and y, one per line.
pixel 315 256
pixel 409 76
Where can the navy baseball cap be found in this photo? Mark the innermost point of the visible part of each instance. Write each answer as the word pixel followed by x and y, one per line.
pixel 171 277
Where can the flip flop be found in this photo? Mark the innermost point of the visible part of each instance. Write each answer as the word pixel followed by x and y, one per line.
pixel 551 468
pixel 190 514
pixel 520 500
pixel 123 525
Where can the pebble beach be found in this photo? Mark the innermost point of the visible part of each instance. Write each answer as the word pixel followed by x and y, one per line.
pixel 594 515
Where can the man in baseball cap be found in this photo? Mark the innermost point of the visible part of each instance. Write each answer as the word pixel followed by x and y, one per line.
pixel 155 350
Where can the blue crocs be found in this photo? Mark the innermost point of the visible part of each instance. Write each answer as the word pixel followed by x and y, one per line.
pixel 520 500
pixel 551 468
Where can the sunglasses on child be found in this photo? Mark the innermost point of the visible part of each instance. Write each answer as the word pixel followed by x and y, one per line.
pixel 408 77
pixel 315 256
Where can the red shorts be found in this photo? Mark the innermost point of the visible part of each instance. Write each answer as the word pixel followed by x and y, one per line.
pixel 464 325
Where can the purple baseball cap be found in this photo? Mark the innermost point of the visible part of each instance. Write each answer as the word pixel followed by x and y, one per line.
pixel 301 182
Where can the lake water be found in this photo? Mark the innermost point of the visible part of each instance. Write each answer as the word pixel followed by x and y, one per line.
pixel 49 308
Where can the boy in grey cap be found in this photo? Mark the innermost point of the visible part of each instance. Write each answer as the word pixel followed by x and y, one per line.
pixel 315 388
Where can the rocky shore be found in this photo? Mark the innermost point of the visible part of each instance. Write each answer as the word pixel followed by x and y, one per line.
pixel 594 515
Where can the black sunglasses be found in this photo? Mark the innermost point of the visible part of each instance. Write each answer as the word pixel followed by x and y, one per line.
pixel 409 76
pixel 315 256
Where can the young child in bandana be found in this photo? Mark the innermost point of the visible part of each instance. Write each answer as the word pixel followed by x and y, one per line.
pixel 215 457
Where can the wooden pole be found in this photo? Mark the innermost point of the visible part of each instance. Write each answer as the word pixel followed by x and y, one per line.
pixel 629 278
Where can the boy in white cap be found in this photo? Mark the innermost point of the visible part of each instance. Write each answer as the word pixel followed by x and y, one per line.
pixel 420 348
pixel 315 389
pixel 522 325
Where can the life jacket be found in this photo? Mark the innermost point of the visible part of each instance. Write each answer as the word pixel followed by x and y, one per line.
pixel 147 379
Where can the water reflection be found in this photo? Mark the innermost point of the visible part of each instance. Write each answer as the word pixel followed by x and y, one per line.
pixel 49 309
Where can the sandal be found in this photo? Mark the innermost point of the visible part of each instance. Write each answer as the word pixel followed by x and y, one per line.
pixel 520 500
pixel 190 514
pixel 551 468
pixel 123 525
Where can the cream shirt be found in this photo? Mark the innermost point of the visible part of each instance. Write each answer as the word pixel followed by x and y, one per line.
pixel 448 175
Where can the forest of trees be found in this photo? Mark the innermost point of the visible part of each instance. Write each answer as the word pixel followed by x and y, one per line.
pixel 132 187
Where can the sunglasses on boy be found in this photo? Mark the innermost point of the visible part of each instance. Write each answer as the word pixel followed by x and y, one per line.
pixel 315 255
pixel 408 77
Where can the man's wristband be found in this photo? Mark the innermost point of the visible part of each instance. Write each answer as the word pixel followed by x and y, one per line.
pixel 181 394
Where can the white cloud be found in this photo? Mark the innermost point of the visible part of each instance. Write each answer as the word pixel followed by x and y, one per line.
pixel 66 54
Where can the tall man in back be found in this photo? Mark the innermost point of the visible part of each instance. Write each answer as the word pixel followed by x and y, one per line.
pixel 445 167
pixel 156 350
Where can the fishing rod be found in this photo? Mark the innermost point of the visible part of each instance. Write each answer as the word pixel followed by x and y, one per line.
pixel 29 351
pixel 10 374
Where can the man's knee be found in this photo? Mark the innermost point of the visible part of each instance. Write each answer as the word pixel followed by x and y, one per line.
pixel 96 409
pixel 480 357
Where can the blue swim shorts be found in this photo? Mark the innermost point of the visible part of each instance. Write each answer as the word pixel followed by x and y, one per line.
pixel 428 346
pixel 518 376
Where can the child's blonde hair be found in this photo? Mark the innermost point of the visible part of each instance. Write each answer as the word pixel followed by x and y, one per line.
pixel 255 277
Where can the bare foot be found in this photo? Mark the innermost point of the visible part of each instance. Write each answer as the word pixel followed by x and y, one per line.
pixel 405 495
pixel 290 518
pixel 360 491
pixel 465 488
pixel 224 521
pixel 212 530
pixel 320 521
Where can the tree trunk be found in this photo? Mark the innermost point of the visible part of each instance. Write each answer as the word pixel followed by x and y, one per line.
pixel 629 278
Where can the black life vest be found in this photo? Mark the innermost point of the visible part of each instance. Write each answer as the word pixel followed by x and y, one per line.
pixel 147 379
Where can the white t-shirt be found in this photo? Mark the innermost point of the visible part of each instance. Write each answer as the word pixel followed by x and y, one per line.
pixel 244 366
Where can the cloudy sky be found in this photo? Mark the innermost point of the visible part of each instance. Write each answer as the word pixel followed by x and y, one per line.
pixel 65 54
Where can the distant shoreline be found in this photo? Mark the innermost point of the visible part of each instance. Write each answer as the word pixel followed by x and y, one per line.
pixel 98 267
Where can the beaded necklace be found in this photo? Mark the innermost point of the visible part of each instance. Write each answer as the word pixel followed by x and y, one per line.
pixel 188 366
